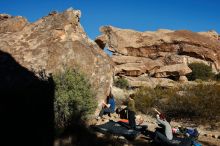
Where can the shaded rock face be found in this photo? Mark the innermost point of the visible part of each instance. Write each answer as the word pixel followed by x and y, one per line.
pixel 159 54
pixel 55 43
pixel 29 100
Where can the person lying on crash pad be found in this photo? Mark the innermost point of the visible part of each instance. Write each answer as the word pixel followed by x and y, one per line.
pixel 167 133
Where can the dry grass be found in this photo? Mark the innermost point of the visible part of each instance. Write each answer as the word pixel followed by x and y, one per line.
pixel 200 102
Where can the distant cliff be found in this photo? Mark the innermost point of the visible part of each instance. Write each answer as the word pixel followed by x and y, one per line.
pixel 150 58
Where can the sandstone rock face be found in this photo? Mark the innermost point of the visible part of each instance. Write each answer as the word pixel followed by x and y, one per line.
pixel 159 54
pixel 211 34
pixel 172 70
pixel 54 43
pixel 11 24
pixel 134 66
pixel 183 79
pixel 145 80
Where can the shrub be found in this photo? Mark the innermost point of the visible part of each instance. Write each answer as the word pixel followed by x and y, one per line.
pixel 200 102
pixel 121 83
pixel 73 98
pixel 147 98
pixel 217 77
pixel 200 71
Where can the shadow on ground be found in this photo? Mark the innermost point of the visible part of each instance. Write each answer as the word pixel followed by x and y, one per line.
pixel 80 135
pixel 91 139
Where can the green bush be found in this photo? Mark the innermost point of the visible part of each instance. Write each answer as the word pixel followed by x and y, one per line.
pixel 74 98
pixel 146 97
pixel 121 83
pixel 200 102
pixel 217 77
pixel 200 71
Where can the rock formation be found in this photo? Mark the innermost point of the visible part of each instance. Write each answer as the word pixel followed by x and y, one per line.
pixel 160 54
pixel 11 24
pixel 54 43
pixel 211 34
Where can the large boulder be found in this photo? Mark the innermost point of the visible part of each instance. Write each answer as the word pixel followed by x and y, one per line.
pixel 212 34
pixel 134 66
pixel 147 81
pixel 183 79
pixel 9 23
pixel 147 62
pixel 172 70
pixel 149 44
pixel 130 69
pixel 163 54
pixel 54 43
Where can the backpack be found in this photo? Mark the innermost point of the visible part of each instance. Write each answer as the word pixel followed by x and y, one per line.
pixel 122 113
pixel 192 133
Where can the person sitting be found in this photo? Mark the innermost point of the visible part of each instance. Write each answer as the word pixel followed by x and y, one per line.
pixel 108 107
pixel 166 133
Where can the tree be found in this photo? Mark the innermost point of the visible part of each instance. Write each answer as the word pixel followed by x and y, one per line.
pixel 74 97
pixel 200 71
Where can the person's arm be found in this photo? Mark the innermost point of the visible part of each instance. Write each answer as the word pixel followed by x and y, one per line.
pixel 156 111
pixel 158 116
pixel 107 105
pixel 159 120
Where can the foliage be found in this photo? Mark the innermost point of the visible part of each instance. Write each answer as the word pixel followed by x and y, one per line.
pixel 200 71
pixel 145 98
pixel 148 97
pixel 217 77
pixel 74 98
pixel 121 83
pixel 200 102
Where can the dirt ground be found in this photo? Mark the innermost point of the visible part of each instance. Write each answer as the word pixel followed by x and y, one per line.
pixel 144 141
pixel 151 123
pixel 121 141
pixel 97 138
pixel 207 141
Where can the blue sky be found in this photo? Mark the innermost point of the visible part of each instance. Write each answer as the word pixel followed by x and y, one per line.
pixel 141 15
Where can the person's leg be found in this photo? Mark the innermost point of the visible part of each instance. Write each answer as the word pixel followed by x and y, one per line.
pixel 131 119
pixel 156 137
pixel 159 137
pixel 108 111
pixel 105 111
pixel 161 129
pixel 102 112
